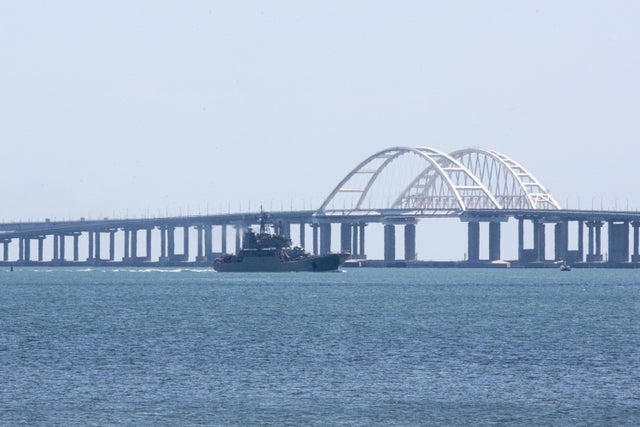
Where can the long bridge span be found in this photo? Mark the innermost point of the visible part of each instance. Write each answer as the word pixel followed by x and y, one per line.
pixel 396 188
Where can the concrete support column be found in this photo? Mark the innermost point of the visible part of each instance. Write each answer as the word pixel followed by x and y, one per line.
pixel 90 254
pixel 539 245
pixel 325 238
pixel 561 243
pixel 41 248
pixel 314 233
pixel 354 241
pixel 186 243
pixel 362 252
pixel 56 247
pixel 223 244
pixel 581 240
pixel 148 248
pixel 134 245
pixel 62 249
pixel 163 243
pixel 618 242
pixel 494 241
pixel 238 237
pixel 5 252
pixel 473 240
pixel 171 244
pixel 199 256
pixel 598 226
pixel 302 236
pixel 97 246
pixel 590 240
pixel 595 241
pixel 636 241
pixel 112 245
pixel 127 244
pixel 345 237
pixel 410 242
pixel 76 247
pixel 521 239
pixel 389 242
pixel 208 242
pixel 27 249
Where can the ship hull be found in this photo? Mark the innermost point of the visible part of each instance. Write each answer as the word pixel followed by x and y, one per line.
pixel 330 262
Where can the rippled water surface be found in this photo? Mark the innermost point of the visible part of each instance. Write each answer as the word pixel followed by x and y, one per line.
pixel 362 347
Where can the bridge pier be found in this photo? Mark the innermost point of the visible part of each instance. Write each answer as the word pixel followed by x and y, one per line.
pixel 561 247
pixel 199 252
pixel 27 249
pixel 76 246
pixel 389 242
pixel 41 248
pixel 537 254
pixel 594 240
pixel 127 245
pixel 204 243
pixel 636 242
pixel 5 249
pixel 223 244
pixel 185 243
pixel 208 242
pixel 314 229
pixel 59 248
pixel 56 247
pixel 238 228
pixel 90 247
pixel 580 241
pixel 163 244
pixel 410 242
pixel 354 240
pixel 112 245
pixel 148 245
pixel 98 255
pixel 539 245
pixel 345 237
pixel 356 235
pixel 325 238
pixel 134 246
pixel 302 235
pixel 362 253
pixel 171 243
pixel 618 241
pixel 494 240
pixel 473 241
pixel 521 253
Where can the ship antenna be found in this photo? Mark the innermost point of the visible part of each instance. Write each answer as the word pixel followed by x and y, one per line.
pixel 263 221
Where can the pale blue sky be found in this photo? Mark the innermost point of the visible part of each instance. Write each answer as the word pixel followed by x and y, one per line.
pixel 142 108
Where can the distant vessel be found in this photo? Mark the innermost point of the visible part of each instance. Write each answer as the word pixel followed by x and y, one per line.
pixel 267 252
pixel 565 267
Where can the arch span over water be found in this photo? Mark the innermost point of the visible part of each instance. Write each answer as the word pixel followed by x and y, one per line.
pixel 428 180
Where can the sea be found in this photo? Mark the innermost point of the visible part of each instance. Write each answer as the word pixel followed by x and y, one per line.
pixel 361 347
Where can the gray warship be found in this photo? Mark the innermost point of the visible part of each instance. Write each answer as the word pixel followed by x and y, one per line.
pixel 268 252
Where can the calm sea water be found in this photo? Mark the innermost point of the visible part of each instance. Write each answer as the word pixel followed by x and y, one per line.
pixel 362 347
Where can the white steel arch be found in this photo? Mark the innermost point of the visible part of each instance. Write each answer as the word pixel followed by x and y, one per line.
pixel 511 184
pixel 443 183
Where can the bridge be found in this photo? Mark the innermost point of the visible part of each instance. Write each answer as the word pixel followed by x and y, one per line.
pixel 396 187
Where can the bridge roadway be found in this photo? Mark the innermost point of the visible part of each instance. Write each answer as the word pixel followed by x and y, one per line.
pixel 17 238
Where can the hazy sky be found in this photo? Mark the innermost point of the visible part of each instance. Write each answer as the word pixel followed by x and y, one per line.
pixel 113 108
